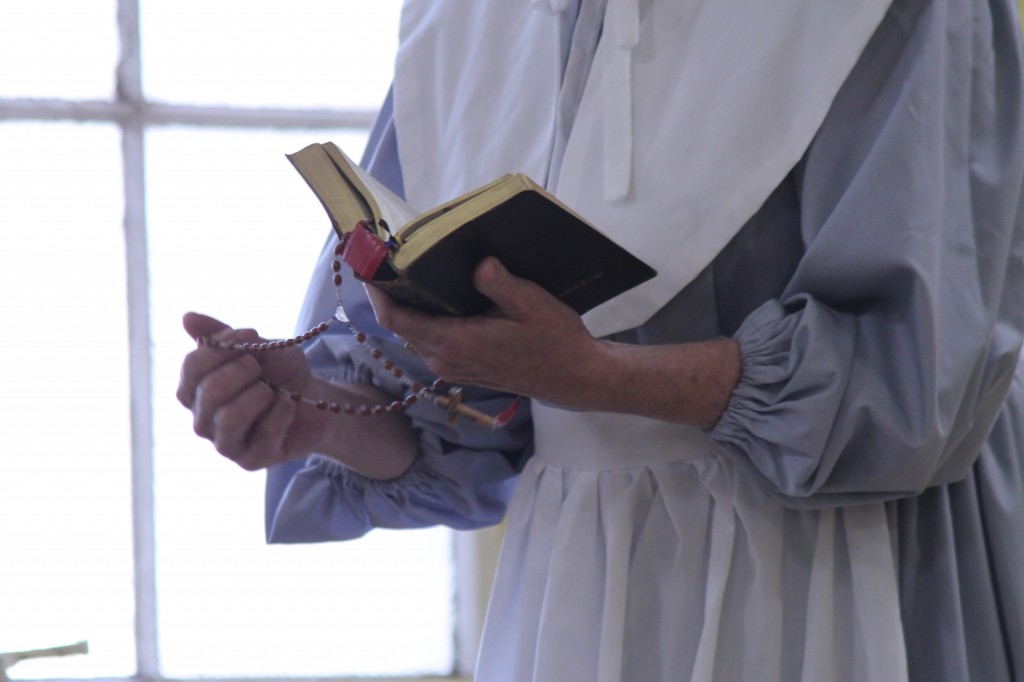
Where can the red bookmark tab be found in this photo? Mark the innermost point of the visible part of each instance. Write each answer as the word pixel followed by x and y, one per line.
pixel 364 251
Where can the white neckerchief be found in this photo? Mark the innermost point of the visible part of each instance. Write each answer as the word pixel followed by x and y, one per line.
pixel 692 113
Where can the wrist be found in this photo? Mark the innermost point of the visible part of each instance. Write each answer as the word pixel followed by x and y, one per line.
pixel 689 383
pixel 375 445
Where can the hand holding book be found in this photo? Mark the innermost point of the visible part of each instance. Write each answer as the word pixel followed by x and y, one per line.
pixel 529 343
pixel 427 260
pixel 533 345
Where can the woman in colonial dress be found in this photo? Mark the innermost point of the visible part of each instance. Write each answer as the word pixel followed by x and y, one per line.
pixel 795 454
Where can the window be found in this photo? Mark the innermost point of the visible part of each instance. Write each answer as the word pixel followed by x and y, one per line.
pixel 142 175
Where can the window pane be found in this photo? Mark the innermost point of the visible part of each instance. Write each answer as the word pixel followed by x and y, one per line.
pixel 58 48
pixel 235 233
pixel 304 53
pixel 65 488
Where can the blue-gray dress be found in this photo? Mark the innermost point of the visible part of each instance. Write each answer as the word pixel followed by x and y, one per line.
pixel 878 300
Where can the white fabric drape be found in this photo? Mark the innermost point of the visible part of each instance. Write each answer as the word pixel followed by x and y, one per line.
pixel 679 567
pixel 629 537
pixel 691 115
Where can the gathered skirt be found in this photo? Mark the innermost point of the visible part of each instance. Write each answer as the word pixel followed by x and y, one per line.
pixel 635 551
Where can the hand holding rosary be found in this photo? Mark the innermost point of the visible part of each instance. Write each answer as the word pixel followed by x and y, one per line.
pixel 451 401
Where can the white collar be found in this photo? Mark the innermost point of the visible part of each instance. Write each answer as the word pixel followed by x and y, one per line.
pixel 692 113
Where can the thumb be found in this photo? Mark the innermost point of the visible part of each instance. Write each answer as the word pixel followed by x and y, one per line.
pixel 202 326
pixel 508 292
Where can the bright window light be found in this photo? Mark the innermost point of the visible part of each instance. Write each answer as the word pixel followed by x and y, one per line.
pixel 303 53
pixel 58 48
pixel 229 229
pixel 65 488
pixel 235 232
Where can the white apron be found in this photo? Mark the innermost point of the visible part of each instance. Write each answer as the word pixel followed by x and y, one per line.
pixel 635 552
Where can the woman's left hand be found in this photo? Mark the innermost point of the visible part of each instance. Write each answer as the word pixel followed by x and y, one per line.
pixel 529 344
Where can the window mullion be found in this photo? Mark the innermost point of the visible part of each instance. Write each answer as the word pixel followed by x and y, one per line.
pixel 129 91
pixel 140 370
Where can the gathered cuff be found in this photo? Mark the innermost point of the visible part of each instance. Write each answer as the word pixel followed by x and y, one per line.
pixel 325 500
pixel 766 340
pixel 461 477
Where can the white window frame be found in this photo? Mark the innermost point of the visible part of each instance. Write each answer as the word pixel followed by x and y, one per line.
pixel 475 552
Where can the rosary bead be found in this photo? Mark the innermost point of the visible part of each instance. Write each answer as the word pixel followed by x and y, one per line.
pixel 416 389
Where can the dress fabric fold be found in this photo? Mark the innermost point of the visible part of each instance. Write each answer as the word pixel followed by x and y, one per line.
pixel 682 568
pixel 855 514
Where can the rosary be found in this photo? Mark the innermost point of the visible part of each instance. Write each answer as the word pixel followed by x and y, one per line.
pixel 451 402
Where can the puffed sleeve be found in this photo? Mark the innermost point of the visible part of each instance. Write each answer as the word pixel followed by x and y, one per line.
pixel 462 477
pixel 883 365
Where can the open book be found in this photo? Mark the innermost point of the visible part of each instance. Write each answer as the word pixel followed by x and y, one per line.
pixel 427 259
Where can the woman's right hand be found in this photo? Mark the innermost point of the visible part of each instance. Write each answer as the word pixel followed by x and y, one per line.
pixel 235 407
pixel 232 404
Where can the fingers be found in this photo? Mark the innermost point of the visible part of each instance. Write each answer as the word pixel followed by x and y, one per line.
pixel 513 296
pixel 200 326
pixel 197 365
pixel 246 420
pixel 491 279
pixel 250 430
pixel 407 323
pixel 204 360
pixel 233 405
pixel 267 441
pixel 488 350
pixel 226 384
